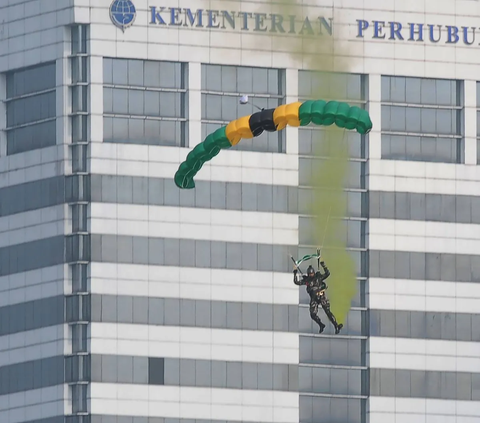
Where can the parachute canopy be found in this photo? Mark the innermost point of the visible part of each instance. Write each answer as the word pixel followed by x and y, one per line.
pixel 318 112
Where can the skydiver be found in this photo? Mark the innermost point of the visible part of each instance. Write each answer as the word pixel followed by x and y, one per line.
pixel 316 288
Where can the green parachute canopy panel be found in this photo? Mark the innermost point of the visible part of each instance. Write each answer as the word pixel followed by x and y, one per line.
pixel 318 112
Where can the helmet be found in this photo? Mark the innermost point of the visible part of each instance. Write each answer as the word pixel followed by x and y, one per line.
pixel 310 271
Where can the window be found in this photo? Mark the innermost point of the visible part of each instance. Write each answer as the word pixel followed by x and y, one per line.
pixel 422 119
pixel 222 87
pixel 31 108
pixel 77 368
pixel 144 102
pixel 79 398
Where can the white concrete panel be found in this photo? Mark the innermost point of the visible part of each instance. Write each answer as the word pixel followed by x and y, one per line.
pixel 194 343
pixel 421 295
pixel 425 237
pixel 419 177
pixel 430 346
pixel 422 354
pixel 163 162
pixel 192 283
pixel 27 173
pixel 191 403
pixel 188 223
pixel 434 409
pixel 459 231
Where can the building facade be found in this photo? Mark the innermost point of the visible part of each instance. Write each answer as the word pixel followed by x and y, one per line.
pixel 126 300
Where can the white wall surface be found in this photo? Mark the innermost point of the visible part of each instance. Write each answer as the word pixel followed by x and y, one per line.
pixel 162 162
pixel 424 237
pixel 194 343
pixel 419 295
pixel 194 403
pixel 429 178
pixel 413 410
pixel 424 354
pixel 192 283
pixel 194 223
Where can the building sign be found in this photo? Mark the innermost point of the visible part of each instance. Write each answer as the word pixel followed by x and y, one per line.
pixel 123 14
pixel 244 21
pixel 419 32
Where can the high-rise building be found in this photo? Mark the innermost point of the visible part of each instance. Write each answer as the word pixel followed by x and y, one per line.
pixel 124 299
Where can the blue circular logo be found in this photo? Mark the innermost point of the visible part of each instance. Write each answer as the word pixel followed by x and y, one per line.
pixel 122 13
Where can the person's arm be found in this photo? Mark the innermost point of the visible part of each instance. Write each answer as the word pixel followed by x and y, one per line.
pixel 295 279
pixel 326 273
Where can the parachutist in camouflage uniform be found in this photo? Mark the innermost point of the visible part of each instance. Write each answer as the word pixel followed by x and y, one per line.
pixel 316 287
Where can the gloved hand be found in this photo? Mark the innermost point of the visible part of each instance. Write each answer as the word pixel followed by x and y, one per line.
pixel 295 271
pixel 322 263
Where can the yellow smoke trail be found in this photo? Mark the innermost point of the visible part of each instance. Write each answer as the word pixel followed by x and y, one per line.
pixel 329 177
pixel 329 203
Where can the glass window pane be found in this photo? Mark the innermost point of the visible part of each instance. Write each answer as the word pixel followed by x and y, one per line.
pixel 120 71
pixel 135 73
pixel 152 103
pixel 107 70
pixel 31 137
pixel 147 103
pixel 152 74
pixel 31 80
pixel 170 75
pixel 120 101
pixel 478 151
pixel 422 120
pixel 330 86
pixel 136 102
pixel 108 100
pixel 258 83
pixel 427 149
pixel 150 132
pixel 412 88
pixel 31 109
pixel 228 77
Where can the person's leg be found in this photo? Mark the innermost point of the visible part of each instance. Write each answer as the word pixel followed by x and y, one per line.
pixel 314 315
pixel 326 308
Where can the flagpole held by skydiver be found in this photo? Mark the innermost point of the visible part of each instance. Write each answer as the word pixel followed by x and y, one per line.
pixel 295 264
